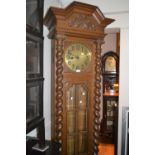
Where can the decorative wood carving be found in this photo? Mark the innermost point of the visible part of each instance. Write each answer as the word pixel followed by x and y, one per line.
pixel 82 21
pixel 65 20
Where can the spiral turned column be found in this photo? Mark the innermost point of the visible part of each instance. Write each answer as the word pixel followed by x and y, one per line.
pixel 97 99
pixel 59 87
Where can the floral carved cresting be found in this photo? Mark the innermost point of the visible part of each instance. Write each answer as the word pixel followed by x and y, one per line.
pixel 82 21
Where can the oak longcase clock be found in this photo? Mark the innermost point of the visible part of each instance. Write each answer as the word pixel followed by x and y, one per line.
pixel 77 33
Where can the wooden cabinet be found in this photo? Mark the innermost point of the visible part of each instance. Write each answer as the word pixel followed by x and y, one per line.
pixel 110 74
pixel 77 33
pixel 34 70
pixel 34 16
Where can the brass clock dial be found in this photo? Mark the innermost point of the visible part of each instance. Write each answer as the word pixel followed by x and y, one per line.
pixel 110 64
pixel 77 57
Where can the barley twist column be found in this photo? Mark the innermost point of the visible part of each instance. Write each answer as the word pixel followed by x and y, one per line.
pixel 97 99
pixel 59 87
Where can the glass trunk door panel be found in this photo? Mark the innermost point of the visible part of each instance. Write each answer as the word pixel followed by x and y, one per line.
pixel 70 117
pixel 82 143
pixel 70 98
pixel 76 118
pixel 70 122
pixel 81 97
pixel 82 108
pixel 70 145
pixel 32 103
pixel 82 101
pixel 82 120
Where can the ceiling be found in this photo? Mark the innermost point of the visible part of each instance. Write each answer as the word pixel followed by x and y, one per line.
pixel 106 6
pixel 115 9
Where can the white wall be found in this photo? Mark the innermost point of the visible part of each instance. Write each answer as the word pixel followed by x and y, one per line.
pixel 106 6
pixel 47 73
pixel 124 78
pixel 110 43
pixel 116 9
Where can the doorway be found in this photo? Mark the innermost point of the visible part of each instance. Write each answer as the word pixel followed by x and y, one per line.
pixel 108 138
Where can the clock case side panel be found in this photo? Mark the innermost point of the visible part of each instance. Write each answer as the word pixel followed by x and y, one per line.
pixel 53 90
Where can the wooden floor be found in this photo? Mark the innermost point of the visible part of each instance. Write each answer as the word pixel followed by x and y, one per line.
pixel 106 149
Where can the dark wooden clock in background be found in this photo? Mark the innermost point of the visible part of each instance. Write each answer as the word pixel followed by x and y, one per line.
pixel 77 33
pixel 110 74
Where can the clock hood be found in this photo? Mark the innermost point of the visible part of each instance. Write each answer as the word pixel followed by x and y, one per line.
pixel 80 19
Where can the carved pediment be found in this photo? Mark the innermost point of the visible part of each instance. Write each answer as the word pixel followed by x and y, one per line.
pixel 77 19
